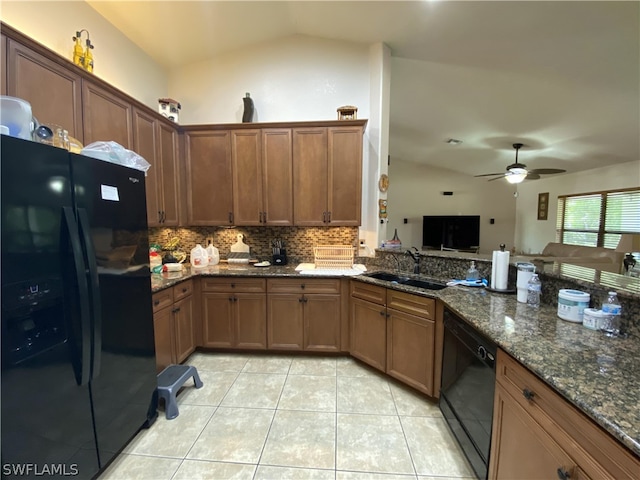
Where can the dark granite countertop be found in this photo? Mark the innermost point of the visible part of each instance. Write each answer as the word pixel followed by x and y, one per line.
pixel 599 375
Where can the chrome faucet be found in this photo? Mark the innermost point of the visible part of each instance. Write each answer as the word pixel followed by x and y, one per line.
pixel 416 259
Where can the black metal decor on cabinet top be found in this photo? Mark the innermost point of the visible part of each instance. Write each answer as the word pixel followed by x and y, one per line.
pixel 78 359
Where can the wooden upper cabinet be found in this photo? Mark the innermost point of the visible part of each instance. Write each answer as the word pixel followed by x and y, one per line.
pixel 168 184
pixel 52 90
pixel 327 176
pixel 246 160
pixel 310 176
pixel 107 116
pixel 209 179
pixel 345 176
pixel 277 176
pixel 145 144
pixel 3 65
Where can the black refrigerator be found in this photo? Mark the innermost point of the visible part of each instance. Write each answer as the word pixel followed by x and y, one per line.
pixel 78 357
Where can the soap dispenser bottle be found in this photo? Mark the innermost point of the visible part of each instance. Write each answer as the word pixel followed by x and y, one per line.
pixel 472 274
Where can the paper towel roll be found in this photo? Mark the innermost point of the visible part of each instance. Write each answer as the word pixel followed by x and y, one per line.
pixel 499 270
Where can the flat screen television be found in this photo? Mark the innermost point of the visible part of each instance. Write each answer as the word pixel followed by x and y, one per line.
pixel 459 232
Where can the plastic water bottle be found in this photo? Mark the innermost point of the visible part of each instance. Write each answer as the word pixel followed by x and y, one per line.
pixel 534 288
pixel 613 311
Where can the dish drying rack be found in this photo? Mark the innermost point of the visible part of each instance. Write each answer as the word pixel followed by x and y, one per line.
pixel 333 256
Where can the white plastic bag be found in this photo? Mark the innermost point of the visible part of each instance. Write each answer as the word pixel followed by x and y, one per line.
pixel 213 254
pixel 115 153
pixel 199 257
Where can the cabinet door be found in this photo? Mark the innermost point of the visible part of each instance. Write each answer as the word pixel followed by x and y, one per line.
pixel 520 447
pixel 322 323
pixel 144 144
pixel 310 176
pixel 345 175
pixel 106 116
pixel 285 322
pixel 168 185
pixel 53 91
pixel 246 156
pixel 250 320
pixel 163 335
pixel 369 333
pixel 277 176
pixel 3 65
pixel 209 191
pixel 410 350
pixel 185 342
pixel 217 319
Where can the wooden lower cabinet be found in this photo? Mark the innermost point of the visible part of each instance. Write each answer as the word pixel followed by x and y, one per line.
pixel 173 322
pixel 369 333
pixel 307 318
pixel 395 332
pixel 410 342
pixel 234 313
pixel 538 434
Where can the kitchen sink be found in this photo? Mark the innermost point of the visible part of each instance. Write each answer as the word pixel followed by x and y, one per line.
pixel 424 284
pixel 412 282
pixel 388 277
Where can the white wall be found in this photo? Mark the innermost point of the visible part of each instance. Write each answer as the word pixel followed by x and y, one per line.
pixel 296 78
pixel 532 234
pixel 416 190
pixel 117 60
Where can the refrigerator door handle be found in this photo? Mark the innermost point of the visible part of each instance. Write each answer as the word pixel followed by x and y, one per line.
pixel 94 287
pixel 82 372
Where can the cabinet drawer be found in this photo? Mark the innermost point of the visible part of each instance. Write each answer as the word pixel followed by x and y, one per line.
pixel 412 304
pixel 595 450
pixel 162 299
pixel 182 290
pixel 368 292
pixel 303 285
pixel 232 284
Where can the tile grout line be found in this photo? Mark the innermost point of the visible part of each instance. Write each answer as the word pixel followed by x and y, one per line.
pixel 404 435
pixel 275 412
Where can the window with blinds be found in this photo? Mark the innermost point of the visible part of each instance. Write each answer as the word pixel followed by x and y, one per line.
pixel 598 219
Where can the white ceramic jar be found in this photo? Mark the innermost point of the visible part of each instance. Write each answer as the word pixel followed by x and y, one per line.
pixel 571 304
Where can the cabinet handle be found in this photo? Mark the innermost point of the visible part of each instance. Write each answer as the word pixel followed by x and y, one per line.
pixel 328 217
pixel 159 216
pixel 184 290
pixel 528 394
pixel 302 286
pixel 156 303
pixel 162 217
pixel 300 300
pixel 264 217
pixel 233 285
pixel 235 299
pixel 231 218
pixel 304 300
pixel 175 310
pixel 383 313
pixel 231 299
pixel 563 474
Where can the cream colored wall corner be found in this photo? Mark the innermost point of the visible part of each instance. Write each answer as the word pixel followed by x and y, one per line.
pixel 118 61
pixel 532 234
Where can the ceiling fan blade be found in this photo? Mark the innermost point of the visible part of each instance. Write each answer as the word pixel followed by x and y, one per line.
pixel 489 174
pixel 546 171
pixel 532 176
pixel 502 175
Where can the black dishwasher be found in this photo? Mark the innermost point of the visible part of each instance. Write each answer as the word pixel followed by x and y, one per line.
pixel 466 394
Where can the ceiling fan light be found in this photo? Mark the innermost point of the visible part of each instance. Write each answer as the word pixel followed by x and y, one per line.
pixel 516 175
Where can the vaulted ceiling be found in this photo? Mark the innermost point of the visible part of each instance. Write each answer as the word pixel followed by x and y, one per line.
pixel 563 78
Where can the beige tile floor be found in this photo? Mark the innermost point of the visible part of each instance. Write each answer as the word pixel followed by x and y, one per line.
pixel 263 417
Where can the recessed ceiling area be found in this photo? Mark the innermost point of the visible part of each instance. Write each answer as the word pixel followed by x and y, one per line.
pixel 563 78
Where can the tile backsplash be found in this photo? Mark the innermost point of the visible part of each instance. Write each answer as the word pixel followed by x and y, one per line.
pixel 299 241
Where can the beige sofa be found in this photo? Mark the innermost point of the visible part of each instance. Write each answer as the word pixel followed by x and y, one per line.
pixel 594 257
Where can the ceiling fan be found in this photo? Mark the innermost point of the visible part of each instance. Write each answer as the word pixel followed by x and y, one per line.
pixel 517 172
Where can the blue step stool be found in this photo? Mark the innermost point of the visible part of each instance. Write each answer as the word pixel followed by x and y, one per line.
pixel 169 382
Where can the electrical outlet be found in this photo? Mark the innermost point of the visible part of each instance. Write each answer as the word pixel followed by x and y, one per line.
pixel 208 241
